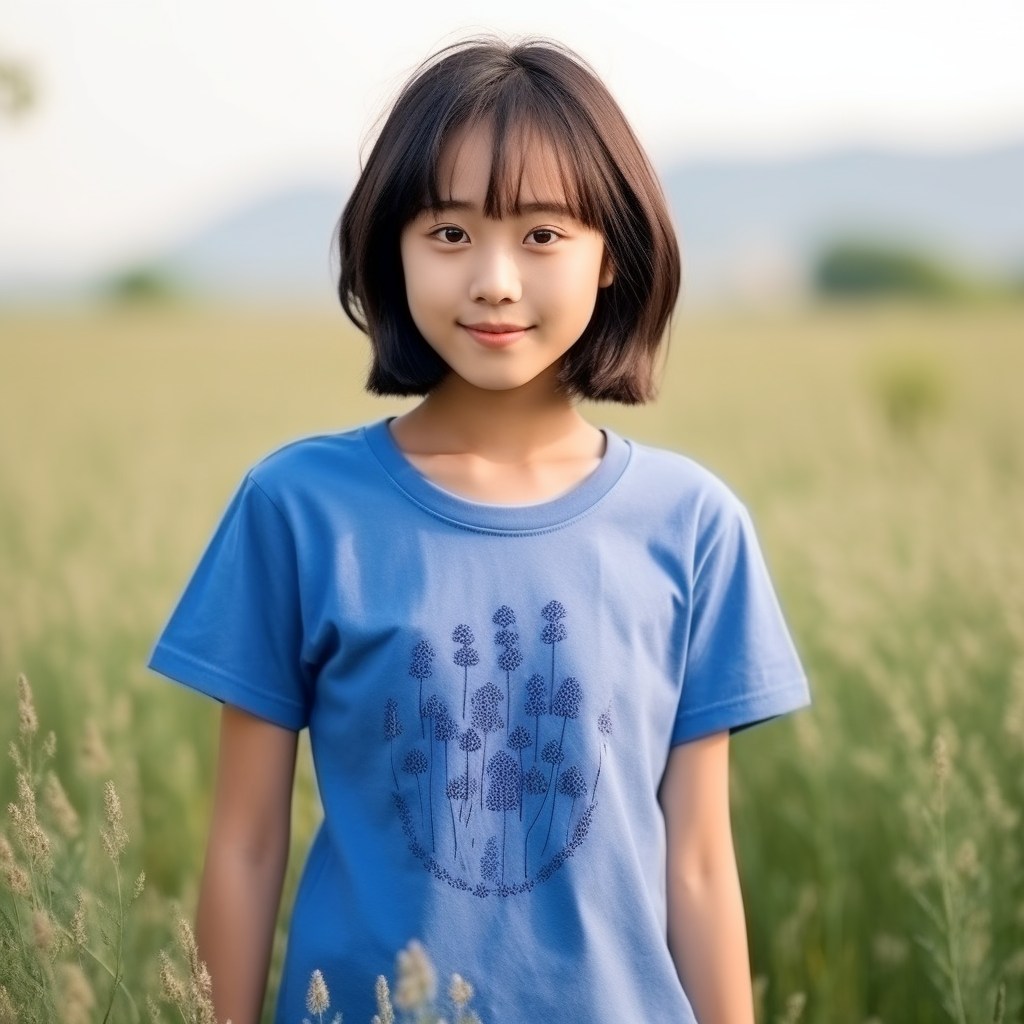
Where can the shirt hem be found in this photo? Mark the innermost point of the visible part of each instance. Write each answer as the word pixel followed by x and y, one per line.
pixel 744 712
pixel 211 682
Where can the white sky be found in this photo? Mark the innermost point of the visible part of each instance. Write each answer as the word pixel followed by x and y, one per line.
pixel 156 114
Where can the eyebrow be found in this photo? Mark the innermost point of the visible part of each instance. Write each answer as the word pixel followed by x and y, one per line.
pixel 463 205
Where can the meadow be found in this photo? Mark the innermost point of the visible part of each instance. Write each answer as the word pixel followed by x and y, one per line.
pixel 880 449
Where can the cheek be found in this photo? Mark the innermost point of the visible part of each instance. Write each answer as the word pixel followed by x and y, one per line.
pixel 573 289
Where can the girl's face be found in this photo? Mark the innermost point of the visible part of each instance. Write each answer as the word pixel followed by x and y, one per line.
pixel 501 301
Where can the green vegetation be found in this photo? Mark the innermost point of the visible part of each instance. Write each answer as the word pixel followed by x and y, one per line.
pixel 18 91
pixel 862 270
pixel 881 451
pixel 141 286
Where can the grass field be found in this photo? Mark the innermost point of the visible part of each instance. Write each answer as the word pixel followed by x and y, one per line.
pixel 881 451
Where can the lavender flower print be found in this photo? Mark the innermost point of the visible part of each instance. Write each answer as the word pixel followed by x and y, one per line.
pixel 433 710
pixel 553 633
pixel 392 729
pixel 604 727
pixel 503 793
pixel 504 617
pixel 489 860
pixel 469 742
pixel 486 718
pixel 537 704
pixel 567 702
pixel 519 740
pixel 552 755
pixel 573 786
pixel 420 667
pixel 465 657
pixel 416 764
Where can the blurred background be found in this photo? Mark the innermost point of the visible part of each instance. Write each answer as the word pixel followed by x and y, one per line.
pixel 848 185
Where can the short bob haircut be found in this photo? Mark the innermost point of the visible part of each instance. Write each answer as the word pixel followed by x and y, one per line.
pixel 527 92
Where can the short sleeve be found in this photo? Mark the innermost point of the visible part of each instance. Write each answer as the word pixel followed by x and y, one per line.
pixel 741 666
pixel 236 633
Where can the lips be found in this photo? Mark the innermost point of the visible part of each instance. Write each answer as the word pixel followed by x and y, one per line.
pixel 495 335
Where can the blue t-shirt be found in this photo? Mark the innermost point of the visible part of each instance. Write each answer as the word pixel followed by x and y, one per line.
pixel 491 693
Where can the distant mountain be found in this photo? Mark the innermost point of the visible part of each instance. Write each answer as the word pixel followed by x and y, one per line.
pixel 748 229
pixel 741 220
pixel 278 247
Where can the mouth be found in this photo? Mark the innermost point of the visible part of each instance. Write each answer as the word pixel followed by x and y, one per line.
pixel 495 335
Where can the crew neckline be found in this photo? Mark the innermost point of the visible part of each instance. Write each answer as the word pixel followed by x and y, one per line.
pixel 540 515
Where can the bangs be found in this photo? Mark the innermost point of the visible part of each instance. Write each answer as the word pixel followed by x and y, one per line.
pixel 529 142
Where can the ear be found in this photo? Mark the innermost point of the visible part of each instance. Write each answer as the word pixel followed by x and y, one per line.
pixel 607 271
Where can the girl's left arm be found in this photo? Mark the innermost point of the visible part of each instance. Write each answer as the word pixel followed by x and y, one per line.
pixel 707 933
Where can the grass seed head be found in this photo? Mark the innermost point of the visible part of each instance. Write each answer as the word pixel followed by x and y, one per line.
pixel 460 991
pixel 171 985
pixel 76 994
pixel 153 1010
pixel 940 760
pixel 31 835
pixel 15 877
pixel 1000 1007
pixel 56 801
pixel 95 759
pixel 114 837
pixel 6 854
pixel 318 999
pixel 794 1008
pixel 28 720
pixel 965 860
pixel 200 992
pixel 42 930
pixel 385 1012
pixel 7 1012
pixel 188 944
pixel 78 934
pixel 417 983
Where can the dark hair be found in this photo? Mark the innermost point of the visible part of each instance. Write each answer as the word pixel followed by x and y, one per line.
pixel 533 89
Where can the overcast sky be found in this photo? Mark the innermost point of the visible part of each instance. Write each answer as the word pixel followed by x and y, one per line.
pixel 155 115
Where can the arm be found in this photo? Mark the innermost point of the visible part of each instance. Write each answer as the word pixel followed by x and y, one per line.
pixel 707 934
pixel 246 854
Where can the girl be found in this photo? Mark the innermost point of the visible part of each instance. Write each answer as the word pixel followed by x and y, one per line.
pixel 519 642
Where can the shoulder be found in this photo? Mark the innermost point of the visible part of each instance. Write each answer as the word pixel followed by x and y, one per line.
pixel 666 479
pixel 308 465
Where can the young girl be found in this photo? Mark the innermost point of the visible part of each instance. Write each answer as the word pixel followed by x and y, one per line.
pixel 519 642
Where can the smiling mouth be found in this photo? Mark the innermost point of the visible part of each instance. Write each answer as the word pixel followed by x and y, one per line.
pixel 495 335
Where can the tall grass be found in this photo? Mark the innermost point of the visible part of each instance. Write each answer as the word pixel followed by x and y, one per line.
pixel 881 451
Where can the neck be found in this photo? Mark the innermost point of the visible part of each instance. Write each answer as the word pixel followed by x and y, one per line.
pixel 505 426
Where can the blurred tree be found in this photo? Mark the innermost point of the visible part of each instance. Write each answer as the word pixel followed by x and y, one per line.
pixel 849 269
pixel 18 93
pixel 141 286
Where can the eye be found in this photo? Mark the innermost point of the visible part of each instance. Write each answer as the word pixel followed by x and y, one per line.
pixel 543 236
pixel 451 235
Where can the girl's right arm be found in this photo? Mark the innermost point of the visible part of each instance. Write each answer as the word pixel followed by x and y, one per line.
pixel 246 855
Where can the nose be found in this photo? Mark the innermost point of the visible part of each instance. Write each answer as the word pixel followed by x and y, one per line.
pixel 496 277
